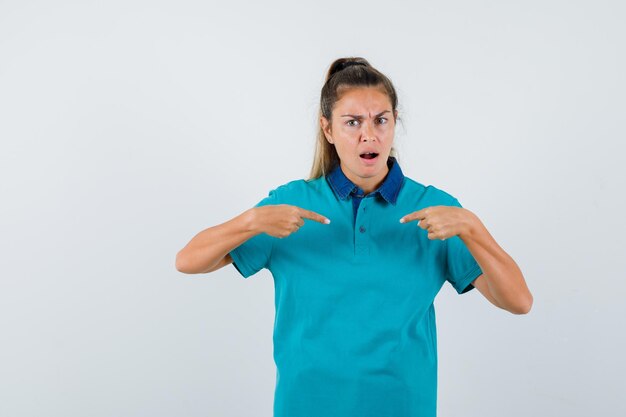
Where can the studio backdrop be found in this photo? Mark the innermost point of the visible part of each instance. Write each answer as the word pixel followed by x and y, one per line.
pixel 126 127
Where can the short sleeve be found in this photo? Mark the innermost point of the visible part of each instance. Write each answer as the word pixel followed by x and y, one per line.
pixel 461 267
pixel 254 254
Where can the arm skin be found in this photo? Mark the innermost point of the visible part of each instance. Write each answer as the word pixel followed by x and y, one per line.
pixel 209 250
pixel 502 282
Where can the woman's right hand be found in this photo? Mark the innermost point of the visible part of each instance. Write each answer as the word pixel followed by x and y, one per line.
pixel 281 220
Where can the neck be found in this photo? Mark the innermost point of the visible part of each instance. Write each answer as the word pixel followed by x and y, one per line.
pixel 368 185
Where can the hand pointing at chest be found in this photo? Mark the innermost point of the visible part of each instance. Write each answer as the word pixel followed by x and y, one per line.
pixel 281 220
pixel 441 222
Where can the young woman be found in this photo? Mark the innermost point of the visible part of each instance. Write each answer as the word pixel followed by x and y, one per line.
pixel 355 280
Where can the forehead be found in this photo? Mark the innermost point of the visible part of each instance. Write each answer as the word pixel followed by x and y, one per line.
pixel 363 100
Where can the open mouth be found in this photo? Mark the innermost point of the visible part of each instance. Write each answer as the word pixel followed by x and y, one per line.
pixel 369 155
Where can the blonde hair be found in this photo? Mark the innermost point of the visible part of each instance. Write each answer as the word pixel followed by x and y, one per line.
pixel 343 74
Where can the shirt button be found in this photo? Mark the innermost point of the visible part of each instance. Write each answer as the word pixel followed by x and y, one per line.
pixel 364 208
pixel 362 229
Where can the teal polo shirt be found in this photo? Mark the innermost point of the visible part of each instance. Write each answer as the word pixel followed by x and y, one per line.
pixel 354 330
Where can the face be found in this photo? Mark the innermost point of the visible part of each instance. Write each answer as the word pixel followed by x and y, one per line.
pixel 362 122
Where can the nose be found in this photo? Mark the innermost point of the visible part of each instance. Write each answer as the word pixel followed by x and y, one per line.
pixel 368 132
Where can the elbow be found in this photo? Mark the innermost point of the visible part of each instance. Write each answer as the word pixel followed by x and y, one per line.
pixel 522 308
pixel 181 264
pixel 185 264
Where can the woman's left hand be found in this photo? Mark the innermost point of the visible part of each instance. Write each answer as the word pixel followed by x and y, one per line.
pixel 442 222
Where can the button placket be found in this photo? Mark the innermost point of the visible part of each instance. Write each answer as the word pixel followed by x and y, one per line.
pixel 361 238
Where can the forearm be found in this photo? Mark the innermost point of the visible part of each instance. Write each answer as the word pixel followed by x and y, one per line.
pixel 209 247
pixel 504 278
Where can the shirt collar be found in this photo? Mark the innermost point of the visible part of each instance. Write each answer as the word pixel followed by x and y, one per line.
pixel 389 189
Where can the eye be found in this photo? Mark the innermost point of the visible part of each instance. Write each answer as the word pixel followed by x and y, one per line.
pixel 350 121
pixel 384 120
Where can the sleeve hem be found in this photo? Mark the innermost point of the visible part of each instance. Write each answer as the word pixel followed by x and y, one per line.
pixel 239 264
pixel 469 277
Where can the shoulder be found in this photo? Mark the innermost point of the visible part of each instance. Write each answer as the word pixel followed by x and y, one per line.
pixel 430 193
pixel 299 187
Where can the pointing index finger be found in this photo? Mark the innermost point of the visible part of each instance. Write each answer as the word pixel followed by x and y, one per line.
pixel 416 215
pixel 308 214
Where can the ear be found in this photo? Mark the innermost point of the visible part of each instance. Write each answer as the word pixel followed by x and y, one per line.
pixel 325 124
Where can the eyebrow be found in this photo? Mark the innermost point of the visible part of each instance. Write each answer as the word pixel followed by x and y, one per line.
pixel 358 116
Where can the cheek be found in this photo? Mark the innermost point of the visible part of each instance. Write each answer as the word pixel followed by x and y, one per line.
pixel 345 149
pixel 388 135
pixel 346 138
pixel 342 146
pixel 346 131
pixel 387 130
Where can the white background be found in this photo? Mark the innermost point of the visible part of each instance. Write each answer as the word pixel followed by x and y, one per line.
pixel 127 127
